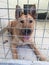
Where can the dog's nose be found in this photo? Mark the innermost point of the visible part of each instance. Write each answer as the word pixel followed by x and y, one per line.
pixel 26 32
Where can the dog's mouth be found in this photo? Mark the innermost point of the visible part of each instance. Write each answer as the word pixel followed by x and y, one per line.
pixel 26 37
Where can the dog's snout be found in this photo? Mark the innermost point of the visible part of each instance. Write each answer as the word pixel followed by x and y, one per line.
pixel 26 32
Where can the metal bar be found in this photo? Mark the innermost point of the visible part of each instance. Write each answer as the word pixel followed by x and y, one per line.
pixel 25 9
pixel 36 22
pixel 8 16
pixel 2 39
pixel 17 2
pixel 44 27
pixel 39 20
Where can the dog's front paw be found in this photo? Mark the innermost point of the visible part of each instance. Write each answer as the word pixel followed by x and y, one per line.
pixel 42 58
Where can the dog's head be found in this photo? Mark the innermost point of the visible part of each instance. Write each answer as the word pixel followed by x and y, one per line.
pixel 25 23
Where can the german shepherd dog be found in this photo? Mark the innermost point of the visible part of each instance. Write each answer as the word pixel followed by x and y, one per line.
pixel 21 29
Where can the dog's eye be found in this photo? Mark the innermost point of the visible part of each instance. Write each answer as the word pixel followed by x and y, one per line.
pixel 22 21
pixel 30 21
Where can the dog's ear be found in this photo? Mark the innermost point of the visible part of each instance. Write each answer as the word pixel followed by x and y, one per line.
pixel 33 11
pixel 18 11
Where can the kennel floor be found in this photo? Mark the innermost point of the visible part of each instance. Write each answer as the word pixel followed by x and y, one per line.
pixel 25 52
pixel 22 62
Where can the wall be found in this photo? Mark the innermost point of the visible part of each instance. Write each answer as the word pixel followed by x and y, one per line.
pixel 43 4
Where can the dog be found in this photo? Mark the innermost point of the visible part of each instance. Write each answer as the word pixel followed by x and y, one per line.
pixel 21 29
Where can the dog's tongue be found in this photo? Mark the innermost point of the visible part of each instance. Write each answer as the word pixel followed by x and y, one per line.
pixel 26 37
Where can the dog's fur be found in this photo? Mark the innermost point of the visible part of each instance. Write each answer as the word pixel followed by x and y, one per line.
pixel 17 27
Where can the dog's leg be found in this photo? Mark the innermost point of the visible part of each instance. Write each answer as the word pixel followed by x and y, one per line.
pixel 36 51
pixel 14 51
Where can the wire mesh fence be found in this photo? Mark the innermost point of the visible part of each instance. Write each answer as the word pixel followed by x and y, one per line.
pixel 41 30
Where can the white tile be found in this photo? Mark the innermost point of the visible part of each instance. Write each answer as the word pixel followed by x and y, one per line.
pixel 9 55
pixel 22 3
pixel 46 41
pixel 44 52
pixel 47 25
pixel 1 43
pixel 6 50
pixel 4 23
pixel 12 14
pixel 45 46
pixel 0 38
pixel 2 52
pixel 40 25
pixel 3 3
pixel 12 4
pixel 33 2
pixel 41 4
pixel 46 33
pixel 3 13
pixel 39 33
pixel 1 47
pixel 48 53
pixel 38 40
pixel 39 46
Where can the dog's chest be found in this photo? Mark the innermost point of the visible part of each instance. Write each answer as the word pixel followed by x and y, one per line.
pixel 23 43
pixel 28 53
pixel 20 42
